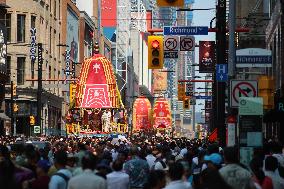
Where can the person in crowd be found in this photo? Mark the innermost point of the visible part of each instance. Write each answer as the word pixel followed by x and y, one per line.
pixel 117 178
pixel 42 180
pixel 156 180
pixel 234 174
pixel 87 180
pixel 271 165
pixel 60 179
pixel 150 157
pixel 80 154
pixel 176 172
pixel 259 178
pixel 137 169
pixel 210 178
pixel 214 161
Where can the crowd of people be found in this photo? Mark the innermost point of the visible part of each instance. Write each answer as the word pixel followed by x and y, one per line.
pixel 137 163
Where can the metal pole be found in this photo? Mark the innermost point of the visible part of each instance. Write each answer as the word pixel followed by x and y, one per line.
pixel 39 90
pixel 12 110
pixel 232 27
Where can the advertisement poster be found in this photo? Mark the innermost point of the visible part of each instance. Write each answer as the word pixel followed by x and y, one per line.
pixel 207 59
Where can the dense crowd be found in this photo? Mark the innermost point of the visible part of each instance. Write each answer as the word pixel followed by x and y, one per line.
pixel 136 163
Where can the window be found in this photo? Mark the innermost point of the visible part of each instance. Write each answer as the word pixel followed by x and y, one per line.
pixel 21 70
pixel 8 26
pixel 8 67
pixel 21 19
pixel 33 21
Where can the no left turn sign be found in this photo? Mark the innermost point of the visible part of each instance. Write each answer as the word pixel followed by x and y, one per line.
pixel 242 88
pixel 187 43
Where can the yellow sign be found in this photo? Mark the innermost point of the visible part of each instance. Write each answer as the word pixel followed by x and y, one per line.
pixel 72 92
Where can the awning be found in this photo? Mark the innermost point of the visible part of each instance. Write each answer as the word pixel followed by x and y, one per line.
pixel 3 116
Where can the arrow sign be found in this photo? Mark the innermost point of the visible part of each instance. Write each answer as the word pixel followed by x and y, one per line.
pixel 171 43
pixel 187 43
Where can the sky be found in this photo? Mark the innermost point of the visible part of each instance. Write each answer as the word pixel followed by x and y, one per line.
pixel 202 18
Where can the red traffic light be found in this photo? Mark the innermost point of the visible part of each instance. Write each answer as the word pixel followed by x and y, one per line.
pixel 155 44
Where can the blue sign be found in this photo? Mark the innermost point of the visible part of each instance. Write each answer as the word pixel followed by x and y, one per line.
pixel 203 97
pixel 192 30
pixel 222 72
pixel 253 61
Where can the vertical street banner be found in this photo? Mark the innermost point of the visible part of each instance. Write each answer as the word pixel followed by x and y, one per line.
pixel 160 82
pixel 3 48
pixel 207 59
pixel 33 45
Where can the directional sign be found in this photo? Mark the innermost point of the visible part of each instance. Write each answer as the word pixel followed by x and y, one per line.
pixel 242 88
pixel 192 30
pixel 204 97
pixel 171 43
pixel 222 72
pixel 36 129
pixel 187 43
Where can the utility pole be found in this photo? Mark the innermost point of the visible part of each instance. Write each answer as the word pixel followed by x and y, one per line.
pixel 39 89
pixel 219 114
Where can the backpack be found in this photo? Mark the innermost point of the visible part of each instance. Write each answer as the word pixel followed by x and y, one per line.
pixel 162 163
pixel 66 179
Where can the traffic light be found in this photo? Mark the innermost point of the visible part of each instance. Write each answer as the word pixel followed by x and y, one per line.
pixel 32 120
pixel 155 52
pixel 186 104
pixel 170 3
pixel 14 89
pixel 96 48
pixel 15 107
pixel 181 91
pixel 266 91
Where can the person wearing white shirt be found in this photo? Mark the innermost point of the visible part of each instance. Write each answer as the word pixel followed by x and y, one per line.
pixel 176 172
pixel 117 179
pixel 87 179
pixel 150 158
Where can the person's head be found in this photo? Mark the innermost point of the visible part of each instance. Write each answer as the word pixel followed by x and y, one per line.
pixel 214 160
pixel 271 163
pixel 211 179
pixel 176 171
pixel 156 180
pixel 89 161
pixel 256 165
pixel 133 151
pixel 60 159
pixel 231 155
pixel 42 167
pixel 117 165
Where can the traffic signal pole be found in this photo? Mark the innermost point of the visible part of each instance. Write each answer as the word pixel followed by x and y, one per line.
pixel 39 90
pixel 12 110
pixel 220 87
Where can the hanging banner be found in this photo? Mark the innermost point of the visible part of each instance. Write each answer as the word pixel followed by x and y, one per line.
pixel 33 45
pixel 207 59
pixel 3 48
pixel 141 114
pixel 160 82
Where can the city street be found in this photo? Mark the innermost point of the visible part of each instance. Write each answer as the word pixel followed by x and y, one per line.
pixel 141 94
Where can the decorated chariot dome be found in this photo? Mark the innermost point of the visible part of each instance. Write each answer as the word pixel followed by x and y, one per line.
pixel 162 117
pixel 141 114
pixel 97 87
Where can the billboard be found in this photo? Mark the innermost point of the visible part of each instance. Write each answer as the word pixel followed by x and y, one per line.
pixel 3 48
pixel 160 82
pixel 108 13
pixel 207 58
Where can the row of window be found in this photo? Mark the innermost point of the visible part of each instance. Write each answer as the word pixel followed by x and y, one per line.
pixel 21 63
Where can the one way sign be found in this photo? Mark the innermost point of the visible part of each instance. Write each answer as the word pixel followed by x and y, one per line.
pixel 222 72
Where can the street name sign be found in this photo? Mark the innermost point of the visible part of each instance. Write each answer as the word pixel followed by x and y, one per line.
pixel 222 72
pixel 242 88
pixel 253 57
pixel 187 43
pixel 185 30
pixel 203 97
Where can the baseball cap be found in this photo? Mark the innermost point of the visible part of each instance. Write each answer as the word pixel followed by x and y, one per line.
pixel 214 158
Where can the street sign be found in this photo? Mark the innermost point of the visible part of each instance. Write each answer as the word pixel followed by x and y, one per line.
pixel 251 106
pixel 253 57
pixel 187 43
pixel 222 72
pixel 203 97
pixel 171 54
pixel 36 129
pixel 171 46
pixel 184 30
pixel 171 43
pixel 242 88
